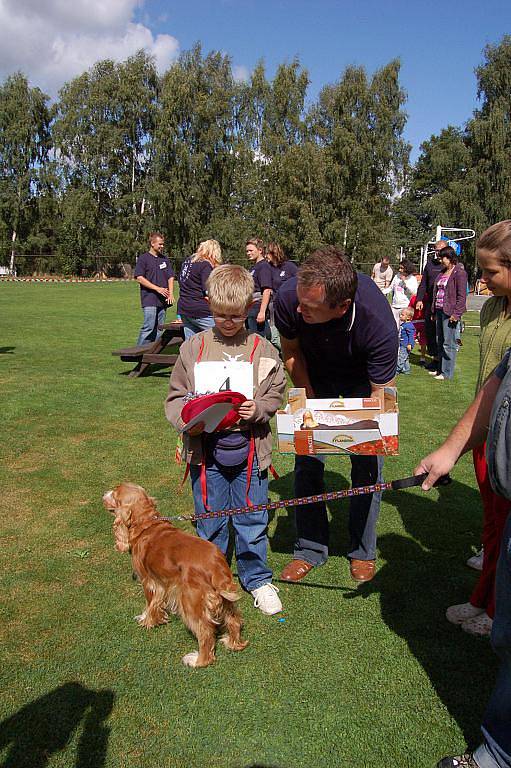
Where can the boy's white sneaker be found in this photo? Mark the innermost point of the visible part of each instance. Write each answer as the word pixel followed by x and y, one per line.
pixel 267 599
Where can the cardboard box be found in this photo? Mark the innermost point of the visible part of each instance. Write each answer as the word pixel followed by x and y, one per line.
pixel 353 425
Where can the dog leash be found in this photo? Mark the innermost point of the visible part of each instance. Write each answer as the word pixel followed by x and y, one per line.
pixel 393 485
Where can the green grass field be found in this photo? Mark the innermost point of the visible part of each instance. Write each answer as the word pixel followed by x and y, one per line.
pixel 367 676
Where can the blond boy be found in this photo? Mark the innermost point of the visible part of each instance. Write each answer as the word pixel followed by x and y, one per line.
pixel 230 468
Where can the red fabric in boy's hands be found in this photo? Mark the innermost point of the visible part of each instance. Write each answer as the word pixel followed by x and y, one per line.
pixel 200 404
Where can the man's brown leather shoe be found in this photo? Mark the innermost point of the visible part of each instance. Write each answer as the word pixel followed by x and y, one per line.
pixel 362 570
pixel 296 570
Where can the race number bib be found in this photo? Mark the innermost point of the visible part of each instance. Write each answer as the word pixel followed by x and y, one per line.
pixel 233 375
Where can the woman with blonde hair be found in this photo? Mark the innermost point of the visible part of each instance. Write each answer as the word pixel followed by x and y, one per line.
pixel 192 305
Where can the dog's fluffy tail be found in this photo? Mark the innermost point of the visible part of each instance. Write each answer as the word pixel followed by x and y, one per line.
pixel 224 584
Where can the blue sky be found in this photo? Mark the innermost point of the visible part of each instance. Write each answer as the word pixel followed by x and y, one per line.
pixel 439 43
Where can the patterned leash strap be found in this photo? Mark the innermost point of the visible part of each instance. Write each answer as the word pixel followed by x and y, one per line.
pixel 394 485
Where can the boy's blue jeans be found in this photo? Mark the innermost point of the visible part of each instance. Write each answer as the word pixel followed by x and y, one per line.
pixel 226 488
pixel 403 360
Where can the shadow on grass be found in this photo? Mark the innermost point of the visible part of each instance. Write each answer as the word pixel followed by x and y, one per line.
pixel 418 577
pixel 45 726
pixel 7 350
pixel 417 581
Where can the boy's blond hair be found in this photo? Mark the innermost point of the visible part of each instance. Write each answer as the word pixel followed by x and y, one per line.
pixel 230 287
pixel 409 311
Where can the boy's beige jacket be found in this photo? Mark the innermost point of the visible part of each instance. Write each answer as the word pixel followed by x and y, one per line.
pixel 269 386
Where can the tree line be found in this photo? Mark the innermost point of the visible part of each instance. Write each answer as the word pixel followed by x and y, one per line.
pixel 123 151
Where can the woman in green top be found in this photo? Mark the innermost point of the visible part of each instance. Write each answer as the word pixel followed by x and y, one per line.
pixel 494 257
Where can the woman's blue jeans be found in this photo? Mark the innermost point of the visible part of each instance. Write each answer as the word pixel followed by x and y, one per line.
pixel 191 325
pixel 446 334
pixel 226 488
pixel 150 331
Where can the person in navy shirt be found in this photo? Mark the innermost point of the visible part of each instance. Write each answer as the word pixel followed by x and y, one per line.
pixel 282 267
pixel 156 277
pixel 192 305
pixel 281 270
pixel 257 320
pixel 339 339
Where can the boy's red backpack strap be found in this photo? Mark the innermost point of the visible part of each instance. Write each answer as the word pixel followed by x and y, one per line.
pixel 201 350
pixel 274 472
pixel 250 465
pixel 203 476
pixel 185 476
pixel 257 339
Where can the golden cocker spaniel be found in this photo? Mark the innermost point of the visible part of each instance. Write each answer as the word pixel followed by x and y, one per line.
pixel 180 573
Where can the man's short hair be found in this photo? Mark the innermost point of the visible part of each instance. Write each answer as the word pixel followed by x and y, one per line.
pixel 230 287
pixel 154 235
pixel 330 268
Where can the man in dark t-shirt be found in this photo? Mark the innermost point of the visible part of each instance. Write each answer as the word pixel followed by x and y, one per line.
pixel 339 338
pixel 156 277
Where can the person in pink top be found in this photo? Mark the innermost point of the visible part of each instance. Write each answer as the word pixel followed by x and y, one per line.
pixel 449 304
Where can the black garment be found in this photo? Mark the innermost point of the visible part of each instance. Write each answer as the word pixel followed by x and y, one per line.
pixel 425 294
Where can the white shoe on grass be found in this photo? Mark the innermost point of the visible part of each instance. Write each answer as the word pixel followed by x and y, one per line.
pixel 458 614
pixel 479 625
pixel 267 599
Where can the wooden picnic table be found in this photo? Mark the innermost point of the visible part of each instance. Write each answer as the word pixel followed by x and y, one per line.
pixel 156 353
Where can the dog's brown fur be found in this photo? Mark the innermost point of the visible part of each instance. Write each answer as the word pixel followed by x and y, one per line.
pixel 179 572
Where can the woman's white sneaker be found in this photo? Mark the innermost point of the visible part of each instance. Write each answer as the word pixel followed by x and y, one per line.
pixel 267 599
pixel 458 614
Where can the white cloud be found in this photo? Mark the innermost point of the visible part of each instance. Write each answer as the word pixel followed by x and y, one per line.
pixel 240 73
pixel 52 41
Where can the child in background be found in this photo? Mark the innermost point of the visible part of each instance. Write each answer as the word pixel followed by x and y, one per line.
pixel 229 468
pixel 420 329
pixel 406 340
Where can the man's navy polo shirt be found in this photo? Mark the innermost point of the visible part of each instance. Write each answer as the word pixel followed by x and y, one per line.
pixel 343 356
pixel 158 270
pixel 192 289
